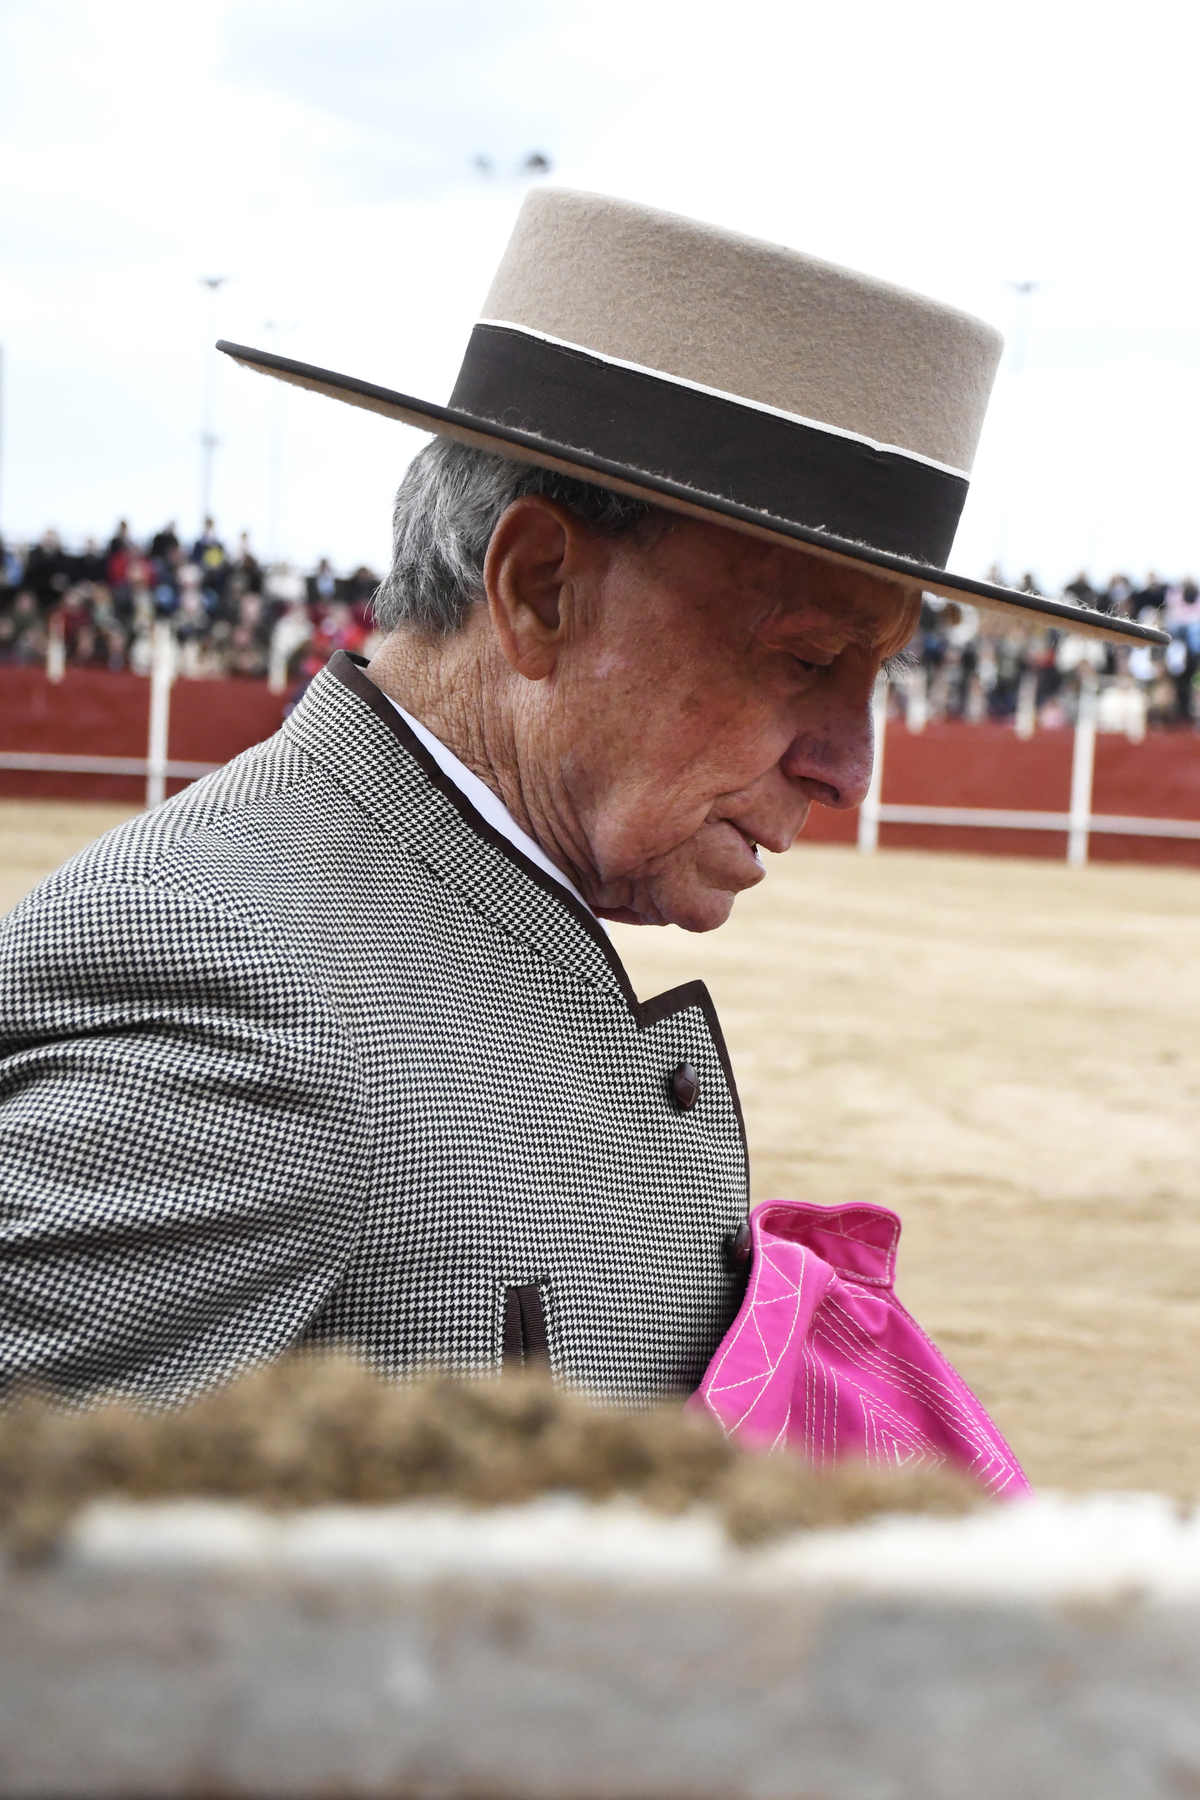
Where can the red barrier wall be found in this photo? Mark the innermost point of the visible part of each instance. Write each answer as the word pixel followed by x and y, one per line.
pixel 91 713
pixel 954 764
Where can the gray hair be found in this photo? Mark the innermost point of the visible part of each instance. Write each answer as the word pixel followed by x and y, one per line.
pixel 449 503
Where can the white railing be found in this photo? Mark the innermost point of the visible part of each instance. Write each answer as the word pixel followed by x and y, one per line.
pixel 1079 823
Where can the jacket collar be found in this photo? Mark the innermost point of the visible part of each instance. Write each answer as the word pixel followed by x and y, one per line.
pixel 352 729
pixel 355 732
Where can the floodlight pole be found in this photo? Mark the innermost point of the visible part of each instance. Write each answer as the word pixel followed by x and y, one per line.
pixel 275 447
pixel 208 405
pixel 1024 291
pixel 274 458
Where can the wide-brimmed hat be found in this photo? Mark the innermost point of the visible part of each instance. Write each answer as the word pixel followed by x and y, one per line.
pixel 729 379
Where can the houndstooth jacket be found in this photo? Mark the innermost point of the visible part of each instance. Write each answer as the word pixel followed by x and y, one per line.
pixel 312 1055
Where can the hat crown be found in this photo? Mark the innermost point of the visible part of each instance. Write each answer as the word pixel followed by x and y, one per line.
pixel 749 318
pixel 733 381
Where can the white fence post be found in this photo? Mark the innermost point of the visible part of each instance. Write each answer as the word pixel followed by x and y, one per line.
pixel 868 815
pixel 162 674
pixel 1083 762
pixel 56 649
pixel 916 708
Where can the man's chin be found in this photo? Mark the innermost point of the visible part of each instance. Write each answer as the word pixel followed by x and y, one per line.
pixel 683 891
pixel 708 913
pixel 700 905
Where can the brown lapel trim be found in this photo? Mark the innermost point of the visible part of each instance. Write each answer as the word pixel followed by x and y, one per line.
pixel 350 671
pixel 677 1000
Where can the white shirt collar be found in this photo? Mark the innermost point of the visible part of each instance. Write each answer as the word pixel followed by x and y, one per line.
pixel 485 802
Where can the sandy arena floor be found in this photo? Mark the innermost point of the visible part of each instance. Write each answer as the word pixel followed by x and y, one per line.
pixel 1004 1051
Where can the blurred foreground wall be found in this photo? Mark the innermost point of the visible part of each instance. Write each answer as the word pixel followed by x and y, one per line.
pixel 1041 1651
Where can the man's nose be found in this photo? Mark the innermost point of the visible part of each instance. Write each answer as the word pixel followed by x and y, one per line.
pixel 833 753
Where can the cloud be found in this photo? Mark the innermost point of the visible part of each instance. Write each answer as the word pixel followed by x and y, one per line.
pixel 417 92
pixel 319 152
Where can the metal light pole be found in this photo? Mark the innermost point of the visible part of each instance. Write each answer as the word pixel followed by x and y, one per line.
pixel 274 459
pixel 275 448
pixel 1024 291
pixel 208 405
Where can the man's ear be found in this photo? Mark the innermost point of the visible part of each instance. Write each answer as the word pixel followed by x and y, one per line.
pixel 528 567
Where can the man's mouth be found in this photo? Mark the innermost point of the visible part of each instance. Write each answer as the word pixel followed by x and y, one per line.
pixel 749 840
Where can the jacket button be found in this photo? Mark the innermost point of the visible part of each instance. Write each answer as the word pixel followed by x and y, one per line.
pixel 737 1247
pixel 685 1085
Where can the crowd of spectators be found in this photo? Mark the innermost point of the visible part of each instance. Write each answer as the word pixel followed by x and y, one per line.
pixel 977 666
pixel 96 607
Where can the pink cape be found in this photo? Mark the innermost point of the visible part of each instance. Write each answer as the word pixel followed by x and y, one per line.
pixel 823 1358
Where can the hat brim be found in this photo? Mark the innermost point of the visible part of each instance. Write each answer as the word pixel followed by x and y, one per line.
pixel 524 446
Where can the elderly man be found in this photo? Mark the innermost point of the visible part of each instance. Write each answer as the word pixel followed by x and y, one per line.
pixel 334 1049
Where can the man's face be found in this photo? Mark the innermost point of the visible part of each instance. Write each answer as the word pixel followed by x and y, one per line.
pixel 708 689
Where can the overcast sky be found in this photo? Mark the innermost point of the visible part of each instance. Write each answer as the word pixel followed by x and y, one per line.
pixel 320 153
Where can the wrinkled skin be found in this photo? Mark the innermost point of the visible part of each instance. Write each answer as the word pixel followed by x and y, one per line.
pixel 651 710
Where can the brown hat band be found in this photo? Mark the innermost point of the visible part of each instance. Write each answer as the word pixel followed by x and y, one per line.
pixel 817 477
